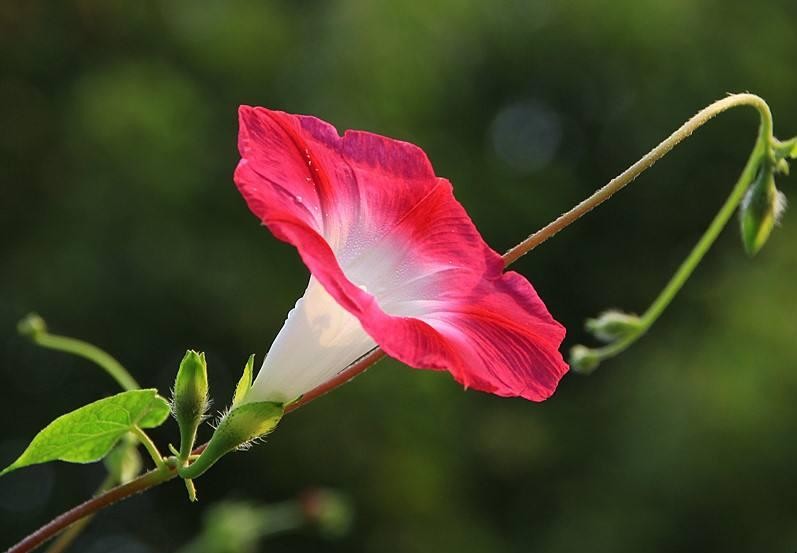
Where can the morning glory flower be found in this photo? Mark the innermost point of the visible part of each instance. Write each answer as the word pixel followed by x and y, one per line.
pixel 395 261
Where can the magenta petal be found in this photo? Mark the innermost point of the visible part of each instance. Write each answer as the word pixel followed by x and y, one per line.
pixel 389 242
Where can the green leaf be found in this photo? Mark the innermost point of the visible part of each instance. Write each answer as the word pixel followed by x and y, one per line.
pixel 245 383
pixel 88 434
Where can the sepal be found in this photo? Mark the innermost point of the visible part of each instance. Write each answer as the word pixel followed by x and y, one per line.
pixel 245 383
pixel 238 428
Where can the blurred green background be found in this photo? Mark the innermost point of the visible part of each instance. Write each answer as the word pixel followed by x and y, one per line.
pixel 119 223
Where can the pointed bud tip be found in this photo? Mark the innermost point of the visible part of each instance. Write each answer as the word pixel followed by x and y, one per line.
pixel 192 376
pixel 190 399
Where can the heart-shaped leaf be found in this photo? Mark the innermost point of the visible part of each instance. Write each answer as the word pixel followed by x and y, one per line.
pixel 88 434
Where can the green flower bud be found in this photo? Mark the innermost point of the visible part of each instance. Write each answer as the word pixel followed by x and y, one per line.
pixel 124 462
pixel 613 325
pixel 190 402
pixel 236 430
pixel 760 210
pixel 31 326
pixel 583 359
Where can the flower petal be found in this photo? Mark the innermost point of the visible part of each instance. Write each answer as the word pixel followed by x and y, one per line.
pixel 387 240
pixel 318 340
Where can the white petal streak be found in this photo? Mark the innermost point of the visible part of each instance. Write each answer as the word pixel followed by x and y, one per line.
pixel 319 340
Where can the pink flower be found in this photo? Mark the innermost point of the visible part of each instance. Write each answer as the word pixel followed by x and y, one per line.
pixel 395 261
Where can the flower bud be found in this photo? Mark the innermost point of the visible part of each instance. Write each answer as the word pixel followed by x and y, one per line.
pixel 237 429
pixel 583 359
pixel 31 326
pixel 190 400
pixel 612 325
pixel 760 210
pixel 124 462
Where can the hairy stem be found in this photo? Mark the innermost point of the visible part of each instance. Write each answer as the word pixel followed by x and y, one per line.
pixel 351 371
pixel 647 161
pixel 93 505
pixel 68 536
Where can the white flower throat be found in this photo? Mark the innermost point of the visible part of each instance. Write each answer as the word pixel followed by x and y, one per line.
pixel 318 340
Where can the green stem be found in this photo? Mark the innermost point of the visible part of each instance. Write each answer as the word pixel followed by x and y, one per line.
pixel 187 440
pixel 150 446
pixel 686 268
pixel 90 352
pixel 706 241
pixel 762 148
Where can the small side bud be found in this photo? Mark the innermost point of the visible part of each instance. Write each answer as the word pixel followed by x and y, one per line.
pixel 31 326
pixel 124 463
pixel 613 325
pixel 760 210
pixel 190 401
pixel 238 428
pixel 583 359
